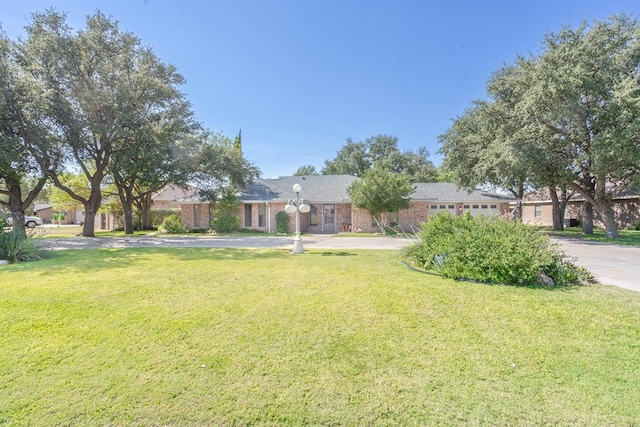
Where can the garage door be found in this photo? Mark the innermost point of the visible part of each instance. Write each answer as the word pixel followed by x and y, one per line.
pixel 435 209
pixel 486 209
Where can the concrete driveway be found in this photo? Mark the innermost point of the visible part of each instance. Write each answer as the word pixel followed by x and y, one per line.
pixel 616 265
pixel 611 264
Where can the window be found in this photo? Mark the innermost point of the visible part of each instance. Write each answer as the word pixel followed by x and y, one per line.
pixel 247 215
pixel 484 206
pixel 494 206
pixel 262 215
pixel 434 207
pixel 196 216
pixel 538 211
pixel 466 206
pixel 452 207
pixel 314 214
pixel 443 207
pixel 475 206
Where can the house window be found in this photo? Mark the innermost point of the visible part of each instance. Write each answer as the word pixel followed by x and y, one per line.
pixel 262 215
pixel 247 215
pixel 538 211
pixel 475 206
pixel 196 216
pixel 443 207
pixel 451 207
pixel 434 207
pixel 466 206
pixel 494 206
pixel 314 215
pixel 484 206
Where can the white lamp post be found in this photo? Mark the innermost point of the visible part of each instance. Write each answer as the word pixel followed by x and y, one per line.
pixel 297 206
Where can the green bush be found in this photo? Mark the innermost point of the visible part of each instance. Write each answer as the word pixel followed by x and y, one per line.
pixel 225 213
pixel 489 249
pixel 282 222
pixel 173 225
pixel 157 216
pixel 17 247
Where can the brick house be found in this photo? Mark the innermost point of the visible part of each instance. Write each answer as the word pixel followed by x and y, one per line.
pixel 537 209
pixel 331 210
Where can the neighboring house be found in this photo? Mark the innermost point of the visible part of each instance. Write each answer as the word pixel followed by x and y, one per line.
pixel 168 197
pixel 331 209
pixel 537 209
pixel 44 211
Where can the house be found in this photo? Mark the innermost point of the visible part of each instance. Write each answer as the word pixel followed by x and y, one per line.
pixel 537 209
pixel 331 210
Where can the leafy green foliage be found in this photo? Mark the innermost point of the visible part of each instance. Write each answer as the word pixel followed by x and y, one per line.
pixel 490 249
pixel 173 225
pixel 282 222
pixel 225 214
pixel 306 170
pixel 381 152
pixel 16 247
pixel 381 192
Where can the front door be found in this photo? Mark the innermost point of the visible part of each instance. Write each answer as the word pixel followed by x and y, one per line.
pixel 329 218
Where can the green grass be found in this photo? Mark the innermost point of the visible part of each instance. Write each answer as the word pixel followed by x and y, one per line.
pixel 259 337
pixel 627 237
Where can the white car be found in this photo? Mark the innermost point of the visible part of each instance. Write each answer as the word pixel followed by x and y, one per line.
pixel 29 221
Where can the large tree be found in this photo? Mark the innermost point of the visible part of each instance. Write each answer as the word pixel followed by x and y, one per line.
pixel 570 117
pixel 381 151
pixel 586 99
pixel 21 126
pixel 87 78
pixel 160 122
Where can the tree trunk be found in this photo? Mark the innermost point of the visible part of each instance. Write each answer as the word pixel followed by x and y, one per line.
pixel 15 204
pixel 556 210
pixel 91 207
pixel 587 218
pixel 608 217
pixel 145 211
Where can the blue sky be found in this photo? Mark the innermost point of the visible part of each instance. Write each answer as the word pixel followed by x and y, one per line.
pixel 299 77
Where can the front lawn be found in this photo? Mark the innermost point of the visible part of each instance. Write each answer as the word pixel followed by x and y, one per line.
pixel 154 336
pixel 627 237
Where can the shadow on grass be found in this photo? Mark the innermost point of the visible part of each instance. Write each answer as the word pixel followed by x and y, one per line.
pixel 334 253
pixel 103 259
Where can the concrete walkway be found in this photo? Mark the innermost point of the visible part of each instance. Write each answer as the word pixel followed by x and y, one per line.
pixel 616 265
pixel 610 264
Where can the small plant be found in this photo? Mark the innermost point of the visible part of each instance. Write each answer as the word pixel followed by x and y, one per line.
pixel 17 247
pixel 172 225
pixel 282 222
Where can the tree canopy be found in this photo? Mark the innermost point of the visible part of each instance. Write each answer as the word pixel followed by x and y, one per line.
pixel 382 152
pixel 97 102
pixel 566 119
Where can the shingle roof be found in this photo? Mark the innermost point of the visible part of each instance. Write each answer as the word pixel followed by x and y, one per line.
pixel 447 192
pixel 333 189
pixel 315 188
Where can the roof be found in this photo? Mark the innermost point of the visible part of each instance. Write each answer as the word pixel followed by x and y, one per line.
pixel 333 189
pixel 172 193
pixel 315 188
pixel 447 192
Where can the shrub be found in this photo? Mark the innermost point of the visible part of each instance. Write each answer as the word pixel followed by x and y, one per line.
pixel 173 225
pixel 17 247
pixel 225 213
pixel 489 249
pixel 282 222
pixel 157 216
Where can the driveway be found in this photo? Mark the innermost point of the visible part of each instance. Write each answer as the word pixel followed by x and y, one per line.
pixel 616 265
pixel 610 264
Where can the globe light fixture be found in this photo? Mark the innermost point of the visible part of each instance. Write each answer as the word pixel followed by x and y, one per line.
pixel 297 205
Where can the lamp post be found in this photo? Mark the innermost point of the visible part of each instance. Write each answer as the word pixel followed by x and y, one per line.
pixel 297 206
